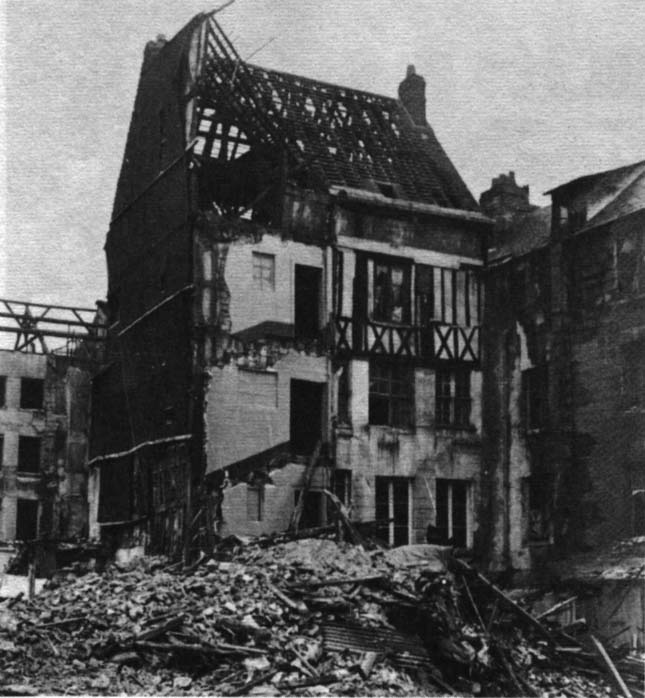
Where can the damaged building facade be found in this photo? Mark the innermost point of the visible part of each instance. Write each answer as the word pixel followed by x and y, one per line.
pixel 298 325
pixel 295 307
pixel 564 346
pixel 44 423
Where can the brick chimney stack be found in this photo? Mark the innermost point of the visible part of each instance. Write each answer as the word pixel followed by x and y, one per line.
pixel 412 92
pixel 505 197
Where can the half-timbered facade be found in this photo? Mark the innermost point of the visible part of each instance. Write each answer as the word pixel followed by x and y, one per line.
pixel 295 303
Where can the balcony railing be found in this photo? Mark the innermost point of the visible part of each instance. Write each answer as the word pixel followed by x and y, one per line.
pixel 436 342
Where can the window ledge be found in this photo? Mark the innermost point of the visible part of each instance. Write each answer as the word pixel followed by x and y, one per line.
pixel 344 430
pixel 28 476
pixel 395 431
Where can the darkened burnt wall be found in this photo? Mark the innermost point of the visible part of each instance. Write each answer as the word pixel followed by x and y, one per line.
pixel 607 313
pixel 572 315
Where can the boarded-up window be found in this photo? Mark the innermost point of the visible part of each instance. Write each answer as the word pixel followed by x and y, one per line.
pixel 28 454
pixel 255 502
pixel 31 393
pixel 27 519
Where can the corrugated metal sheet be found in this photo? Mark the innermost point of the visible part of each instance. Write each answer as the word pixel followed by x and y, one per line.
pixel 405 650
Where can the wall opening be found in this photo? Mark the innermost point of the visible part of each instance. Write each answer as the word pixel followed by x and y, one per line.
pixel 306 416
pixel 452 511
pixel 3 391
pixel 27 519
pixel 313 510
pixel 393 499
pixel 307 301
pixel 28 454
pixel 32 392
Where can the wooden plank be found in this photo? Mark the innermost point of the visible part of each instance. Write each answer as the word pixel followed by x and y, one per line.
pixel 611 667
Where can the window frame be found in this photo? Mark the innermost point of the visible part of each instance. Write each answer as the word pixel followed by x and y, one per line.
pixel 398 396
pixel 450 485
pixel 453 398
pixel 263 281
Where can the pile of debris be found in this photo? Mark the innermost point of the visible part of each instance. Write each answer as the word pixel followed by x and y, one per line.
pixel 306 617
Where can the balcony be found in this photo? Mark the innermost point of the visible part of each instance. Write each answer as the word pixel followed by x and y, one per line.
pixel 435 343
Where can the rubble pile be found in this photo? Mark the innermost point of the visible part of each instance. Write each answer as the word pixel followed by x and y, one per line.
pixel 306 617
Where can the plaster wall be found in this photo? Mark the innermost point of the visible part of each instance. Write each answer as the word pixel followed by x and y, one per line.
pixel 422 454
pixel 247 411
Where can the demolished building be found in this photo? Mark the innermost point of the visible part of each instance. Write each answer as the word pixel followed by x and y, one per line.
pixel 295 307
pixel 44 424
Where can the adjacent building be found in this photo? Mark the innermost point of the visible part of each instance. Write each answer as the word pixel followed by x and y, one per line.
pixel 564 347
pixel 295 307
pixel 44 423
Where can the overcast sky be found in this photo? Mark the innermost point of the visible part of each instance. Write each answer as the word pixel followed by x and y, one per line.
pixel 551 89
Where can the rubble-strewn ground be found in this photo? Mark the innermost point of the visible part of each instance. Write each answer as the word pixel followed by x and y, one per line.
pixel 280 621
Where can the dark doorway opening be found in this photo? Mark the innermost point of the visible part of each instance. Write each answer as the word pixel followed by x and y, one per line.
pixel 306 416
pixel 27 519
pixel 307 302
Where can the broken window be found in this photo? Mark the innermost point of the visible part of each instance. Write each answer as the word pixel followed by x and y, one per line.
pixel 255 502
pixel 27 519
pixel 28 454
pixel 452 511
pixel 391 299
pixel 305 416
pixel 393 498
pixel 264 271
pixel 538 505
pixel 307 301
pixel 452 398
pixel 31 393
pixel 535 390
pixel 391 394
pixel 3 391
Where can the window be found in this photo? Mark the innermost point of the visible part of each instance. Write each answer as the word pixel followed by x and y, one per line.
pixel 3 391
pixel 452 511
pixel 307 301
pixel 342 485
pixel 264 271
pixel 535 390
pixel 449 296
pixel 453 400
pixel 538 506
pixel 31 393
pixel 391 398
pixel 393 498
pixel 27 519
pixel 391 292
pixel 28 454
pixel 255 502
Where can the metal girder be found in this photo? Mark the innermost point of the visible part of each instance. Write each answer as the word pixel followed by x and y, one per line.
pixel 34 323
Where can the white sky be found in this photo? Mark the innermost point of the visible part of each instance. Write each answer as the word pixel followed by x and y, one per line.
pixel 551 89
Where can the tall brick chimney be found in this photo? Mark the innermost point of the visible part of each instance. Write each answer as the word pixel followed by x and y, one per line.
pixel 505 197
pixel 412 92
